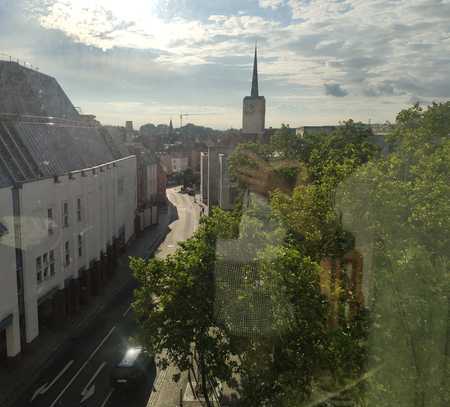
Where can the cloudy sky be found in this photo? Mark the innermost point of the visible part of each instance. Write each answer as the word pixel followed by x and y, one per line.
pixel 321 61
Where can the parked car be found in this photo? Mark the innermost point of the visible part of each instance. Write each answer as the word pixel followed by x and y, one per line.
pixel 132 369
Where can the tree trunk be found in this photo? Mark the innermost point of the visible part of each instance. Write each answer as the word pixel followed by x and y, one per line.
pixel 204 381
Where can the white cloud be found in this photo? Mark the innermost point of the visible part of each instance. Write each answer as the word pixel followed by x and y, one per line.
pixel 273 4
pixel 318 10
pixel 373 49
pixel 106 24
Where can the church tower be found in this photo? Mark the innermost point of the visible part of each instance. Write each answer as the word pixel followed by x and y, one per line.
pixel 254 106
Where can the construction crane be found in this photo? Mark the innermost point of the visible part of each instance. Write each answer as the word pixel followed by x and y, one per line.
pixel 192 114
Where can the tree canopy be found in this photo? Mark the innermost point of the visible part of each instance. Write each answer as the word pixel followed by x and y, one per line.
pixel 247 292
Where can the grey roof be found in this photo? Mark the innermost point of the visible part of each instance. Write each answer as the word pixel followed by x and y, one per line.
pixel 59 149
pixel 41 133
pixel 255 91
pixel 28 92
pixel 4 178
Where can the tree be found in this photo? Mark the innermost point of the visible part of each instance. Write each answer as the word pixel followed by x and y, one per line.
pixel 279 369
pixel 175 301
pixel 288 145
pixel 306 208
pixel 398 209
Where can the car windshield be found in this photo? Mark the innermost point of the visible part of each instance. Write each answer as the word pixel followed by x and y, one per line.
pixel 240 202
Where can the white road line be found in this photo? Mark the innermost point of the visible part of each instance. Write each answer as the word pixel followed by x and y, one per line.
pixel 107 398
pixel 84 365
pixel 46 387
pixel 126 312
pixel 86 388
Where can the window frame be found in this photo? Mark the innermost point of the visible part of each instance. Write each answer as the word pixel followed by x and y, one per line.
pixel 50 219
pixel 39 270
pixel 66 253
pixel 79 210
pixel 80 245
pixel 65 214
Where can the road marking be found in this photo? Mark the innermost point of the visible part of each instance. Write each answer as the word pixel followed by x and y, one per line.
pixel 89 389
pixel 107 398
pixel 84 365
pixel 127 311
pixel 43 389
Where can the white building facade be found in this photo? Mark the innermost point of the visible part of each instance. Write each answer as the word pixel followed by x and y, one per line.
pixel 67 223
pixel 68 199
pixel 9 302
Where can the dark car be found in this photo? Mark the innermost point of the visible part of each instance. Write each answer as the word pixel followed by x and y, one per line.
pixel 132 369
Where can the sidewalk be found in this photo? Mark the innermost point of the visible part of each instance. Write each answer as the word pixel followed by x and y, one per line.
pixel 166 392
pixel 40 353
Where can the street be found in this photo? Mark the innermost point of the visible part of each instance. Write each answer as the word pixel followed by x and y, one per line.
pixel 80 375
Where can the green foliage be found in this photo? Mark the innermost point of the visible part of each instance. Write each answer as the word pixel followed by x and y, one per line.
pixel 175 301
pixel 398 209
pixel 271 365
pixel 259 268
pixel 338 154
pixel 288 145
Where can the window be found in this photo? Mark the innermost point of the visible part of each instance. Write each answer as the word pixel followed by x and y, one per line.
pixel 50 220
pixel 65 215
pixel 39 269
pixel 45 263
pixel 52 262
pixel 80 245
pixel 66 254
pixel 79 209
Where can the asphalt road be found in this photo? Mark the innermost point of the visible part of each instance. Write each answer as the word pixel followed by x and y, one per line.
pixel 80 375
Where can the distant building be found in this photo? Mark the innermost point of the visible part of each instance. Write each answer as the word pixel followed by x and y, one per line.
pixel 180 164
pixel 227 189
pixel 216 186
pixel 204 177
pixel 254 106
pixel 315 130
pixel 67 206
pixel 148 199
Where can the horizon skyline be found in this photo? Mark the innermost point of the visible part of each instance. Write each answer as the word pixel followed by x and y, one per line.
pixel 320 62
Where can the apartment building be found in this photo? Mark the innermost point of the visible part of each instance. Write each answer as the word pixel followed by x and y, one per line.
pixel 67 206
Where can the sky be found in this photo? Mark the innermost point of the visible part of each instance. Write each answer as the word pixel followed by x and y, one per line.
pixel 320 61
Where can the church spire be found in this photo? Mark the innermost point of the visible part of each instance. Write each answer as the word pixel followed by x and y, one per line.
pixel 255 92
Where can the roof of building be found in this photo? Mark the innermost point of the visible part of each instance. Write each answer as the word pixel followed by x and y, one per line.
pixel 255 90
pixel 25 91
pixel 41 133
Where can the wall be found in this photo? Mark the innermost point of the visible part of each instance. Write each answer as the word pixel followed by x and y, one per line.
pixel 152 182
pixel 213 176
pixel 224 184
pixel 204 177
pixel 253 116
pixel 108 201
pixel 180 164
pixel 8 278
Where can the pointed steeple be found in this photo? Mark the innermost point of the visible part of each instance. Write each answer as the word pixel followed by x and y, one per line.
pixel 255 92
